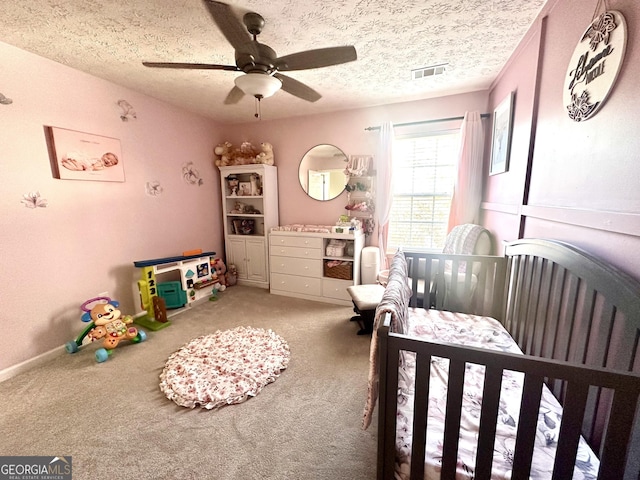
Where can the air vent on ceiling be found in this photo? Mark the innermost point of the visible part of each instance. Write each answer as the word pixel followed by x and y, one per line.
pixel 430 71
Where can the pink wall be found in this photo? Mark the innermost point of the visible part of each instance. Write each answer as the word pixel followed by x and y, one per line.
pixel 86 240
pixel 504 191
pixel 599 156
pixel 583 189
pixel 292 138
pixel 584 176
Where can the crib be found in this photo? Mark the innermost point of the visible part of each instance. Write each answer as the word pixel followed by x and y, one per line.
pixel 564 342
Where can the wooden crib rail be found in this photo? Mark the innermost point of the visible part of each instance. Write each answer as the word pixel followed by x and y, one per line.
pixel 565 304
pixel 556 290
pixel 615 461
pixel 460 283
pixel 577 320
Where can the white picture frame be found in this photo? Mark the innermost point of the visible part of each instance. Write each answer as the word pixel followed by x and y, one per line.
pixel 84 156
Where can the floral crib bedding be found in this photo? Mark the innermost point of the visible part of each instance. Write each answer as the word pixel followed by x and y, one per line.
pixel 483 332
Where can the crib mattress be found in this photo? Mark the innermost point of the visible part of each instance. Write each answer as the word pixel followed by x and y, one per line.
pixel 483 332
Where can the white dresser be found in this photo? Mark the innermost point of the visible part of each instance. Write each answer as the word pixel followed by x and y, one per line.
pixel 300 266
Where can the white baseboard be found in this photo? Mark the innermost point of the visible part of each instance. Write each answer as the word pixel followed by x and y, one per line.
pixel 34 362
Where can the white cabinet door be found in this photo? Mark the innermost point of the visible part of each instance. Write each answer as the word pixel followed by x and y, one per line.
pixel 256 259
pixel 237 256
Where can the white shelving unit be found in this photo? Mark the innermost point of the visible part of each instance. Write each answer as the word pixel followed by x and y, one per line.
pixel 245 230
pixel 361 193
pixel 298 265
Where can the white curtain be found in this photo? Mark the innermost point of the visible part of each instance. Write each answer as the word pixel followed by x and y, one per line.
pixel 467 190
pixel 384 188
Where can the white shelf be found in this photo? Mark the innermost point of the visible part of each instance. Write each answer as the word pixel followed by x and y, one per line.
pixel 342 259
pixel 249 252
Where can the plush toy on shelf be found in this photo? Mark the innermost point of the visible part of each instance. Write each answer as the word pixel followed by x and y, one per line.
pixel 226 154
pixel 266 155
pixel 105 322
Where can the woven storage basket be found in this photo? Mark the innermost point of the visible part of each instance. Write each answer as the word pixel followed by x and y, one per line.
pixel 344 271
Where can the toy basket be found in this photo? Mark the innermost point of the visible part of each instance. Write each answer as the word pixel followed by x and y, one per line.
pixel 341 270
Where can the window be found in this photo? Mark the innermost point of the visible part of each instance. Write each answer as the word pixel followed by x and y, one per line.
pixel 424 169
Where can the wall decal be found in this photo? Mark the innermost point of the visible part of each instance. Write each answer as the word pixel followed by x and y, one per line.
pixel 128 113
pixel 4 100
pixel 33 200
pixel 594 66
pixel 84 156
pixel 191 175
pixel 154 189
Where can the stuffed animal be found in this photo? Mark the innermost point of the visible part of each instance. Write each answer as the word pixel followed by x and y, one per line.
pixel 266 155
pixel 247 150
pixel 238 207
pixel 246 154
pixel 232 275
pixel 223 151
pixel 220 269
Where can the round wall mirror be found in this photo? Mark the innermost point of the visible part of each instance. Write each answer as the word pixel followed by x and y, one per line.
pixel 321 172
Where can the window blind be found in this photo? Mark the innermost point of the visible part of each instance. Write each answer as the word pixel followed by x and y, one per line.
pixel 424 169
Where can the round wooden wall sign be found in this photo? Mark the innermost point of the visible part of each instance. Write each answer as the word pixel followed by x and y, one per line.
pixel 594 66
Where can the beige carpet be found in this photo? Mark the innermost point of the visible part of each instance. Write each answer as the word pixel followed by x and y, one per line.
pixel 115 422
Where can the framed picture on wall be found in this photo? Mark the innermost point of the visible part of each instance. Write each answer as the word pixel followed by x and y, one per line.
pixel 501 137
pixel 84 156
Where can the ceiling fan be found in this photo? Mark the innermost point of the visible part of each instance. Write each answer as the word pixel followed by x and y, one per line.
pixel 259 62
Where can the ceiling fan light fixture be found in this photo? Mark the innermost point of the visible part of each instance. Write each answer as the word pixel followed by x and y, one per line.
pixel 258 85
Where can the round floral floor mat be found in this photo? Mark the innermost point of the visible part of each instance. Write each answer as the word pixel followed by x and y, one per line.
pixel 224 368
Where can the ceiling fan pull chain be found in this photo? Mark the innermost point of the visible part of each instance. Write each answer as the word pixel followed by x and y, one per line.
pixel 258 113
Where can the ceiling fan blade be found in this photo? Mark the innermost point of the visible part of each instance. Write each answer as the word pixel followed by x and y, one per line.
pixel 298 89
pixel 322 57
pixel 234 96
pixel 231 27
pixel 192 66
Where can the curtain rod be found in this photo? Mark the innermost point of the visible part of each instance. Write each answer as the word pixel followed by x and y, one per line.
pixel 437 120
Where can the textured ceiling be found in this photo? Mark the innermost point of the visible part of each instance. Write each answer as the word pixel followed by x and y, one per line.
pixel 110 39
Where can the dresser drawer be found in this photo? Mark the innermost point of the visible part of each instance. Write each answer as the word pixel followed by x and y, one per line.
pixel 307 267
pixel 296 284
pixel 298 252
pixel 336 289
pixel 303 242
